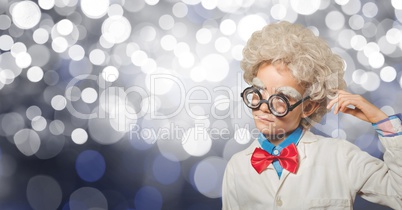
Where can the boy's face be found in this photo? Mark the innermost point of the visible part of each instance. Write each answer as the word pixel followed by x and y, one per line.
pixel 277 79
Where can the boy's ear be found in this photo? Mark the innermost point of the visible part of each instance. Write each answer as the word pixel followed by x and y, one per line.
pixel 309 108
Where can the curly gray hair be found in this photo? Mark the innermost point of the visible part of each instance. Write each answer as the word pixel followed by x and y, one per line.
pixel 307 56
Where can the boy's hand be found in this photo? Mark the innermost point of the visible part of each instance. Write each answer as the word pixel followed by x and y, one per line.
pixel 363 110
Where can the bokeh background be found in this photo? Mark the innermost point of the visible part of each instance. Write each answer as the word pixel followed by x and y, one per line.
pixel 135 104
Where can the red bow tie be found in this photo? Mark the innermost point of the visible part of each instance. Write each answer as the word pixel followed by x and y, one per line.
pixel 288 159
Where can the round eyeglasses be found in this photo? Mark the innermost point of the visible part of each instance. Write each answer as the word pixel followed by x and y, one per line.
pixel 278 104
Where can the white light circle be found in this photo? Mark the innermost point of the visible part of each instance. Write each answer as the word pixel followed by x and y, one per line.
pixel 110 74
pixel 59 44
pixel 26 14
pixel 216 66
pixel 222 44
pixel 94 9
pixel 203 36
pixel 76 52
pixel 249 24
pixel 227 27
pixel 35 74
pixel 89 95
pixel 305 7
pixel 208 176
pixel 64 27
pixel 27 141
pixel 79 136
pixel 196 141
pixel 335 20
pixel 38 123
pixel 46 4
pixel 278 11
pixel 23 60
pixel 58 102
pixel 397 4
pixel 372 83
pixel 242 136
pixel 40 36
pixel 388 74
pixel 376 60
pixel 116 29
pixel 358 42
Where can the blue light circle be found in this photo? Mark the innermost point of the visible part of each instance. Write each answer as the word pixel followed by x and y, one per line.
pixel 148 198
pixel 165 171
pixel 90 165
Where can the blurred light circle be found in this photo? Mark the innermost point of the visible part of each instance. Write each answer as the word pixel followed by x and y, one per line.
pixel 33 111
pixel 356 22
pixel 339 133
pixel 148 33
pixel 115 10
pixel 89 95
pixel 161 82
pixel 26 14
pixel 186 60
pixel 149 66
pixel 198 74
pixel 344 38
pixel 341 2
pixel 86 198
pixel 11 123
pixel 370 9
pixel 40 36
pixel 148 198
pixel 221 102
pixel 394 36
pixel 249 24
pixel 371 48
pixel 335 20
pixel 397 4
pixel 79 136
pixel 389 110
pixel 305 7
pixel 6 42
pixel 58 102
pixel 208 176
pixel 152 2
pixel 59 44
pixel 386 47
pixel 168 42
pixel 97 57
pixel 203 36
pixel 35 74
pixel 217 67
pixel 64 27
pixel 56 127
pixel 351 7
pixel 196 141
pixel 231 6
pixel 18 48
pixel 46 4
pixel 388 74
pixel 166 171
pixel 242 136
pixel 359 76
pixel 227 27
pixel 94 9
pixel 27 141
pixel 110 74
pixel 139 57
pixel 23 60
pixel 6 77
pixel 90 165
pixel 44 192
pixel 372 83
pixel 278 11
pixel 179 9
pixel 358 42
pixel 209 4
pixel 222 44
pixel 40 54
pixel 5 22
pixel 237 52
pixel 39 123
pixel 116 29
pixel 376 60
pixel 76 52
pixel 101 129
pixel 166 22
pixel 191 2
pixel 181 48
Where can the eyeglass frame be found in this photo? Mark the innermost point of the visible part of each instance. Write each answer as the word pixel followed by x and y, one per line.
pixel 266 101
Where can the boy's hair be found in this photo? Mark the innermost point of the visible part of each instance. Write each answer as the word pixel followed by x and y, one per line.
pixel 307 56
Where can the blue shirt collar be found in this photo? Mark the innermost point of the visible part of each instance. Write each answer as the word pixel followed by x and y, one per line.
pixel 294 137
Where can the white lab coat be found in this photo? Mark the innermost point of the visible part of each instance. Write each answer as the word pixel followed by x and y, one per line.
pixel 331 172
